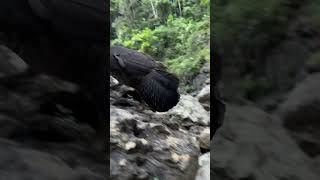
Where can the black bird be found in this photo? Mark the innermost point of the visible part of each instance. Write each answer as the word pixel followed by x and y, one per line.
pixel 64 38
pixel 157 87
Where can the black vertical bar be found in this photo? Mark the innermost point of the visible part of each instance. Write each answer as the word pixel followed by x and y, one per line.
pixel 107 97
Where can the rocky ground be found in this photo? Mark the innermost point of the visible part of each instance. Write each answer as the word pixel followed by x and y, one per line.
pixel 148 145
pixel 40 137
pixel 43 136
pixel 254 144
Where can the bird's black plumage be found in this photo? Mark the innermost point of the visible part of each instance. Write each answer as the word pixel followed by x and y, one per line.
pixel 157 87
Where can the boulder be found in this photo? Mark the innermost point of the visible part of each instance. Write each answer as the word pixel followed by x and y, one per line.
pixel 253 145
pixel 40 137
pixel 144 146
pixel 10 62
pixel 190 110
pixel 300 114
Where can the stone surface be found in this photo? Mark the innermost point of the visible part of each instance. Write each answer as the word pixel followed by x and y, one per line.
pixel 40 137
pixel 44 133
pixel 253 145
pixel 148 145
pixel 204 170
pixel 113 82
pixel 10 63
pixel 204 97
pixel 204 138
pixel 300 114
pixel 189 109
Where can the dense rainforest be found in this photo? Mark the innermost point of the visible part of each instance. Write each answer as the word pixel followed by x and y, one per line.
pixel 175 32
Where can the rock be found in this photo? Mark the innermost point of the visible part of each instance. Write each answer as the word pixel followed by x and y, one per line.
pixel 145 145
pixel 204 170
pixel 204 94
pixel 204 97
pixel 199 81
pixel 204 138
pixel 300 114
pixel 40 136
pixel 10 63
pixel 26 163
pixel 189 109
pixel 45 135
pixel 253 145
pixel 113 82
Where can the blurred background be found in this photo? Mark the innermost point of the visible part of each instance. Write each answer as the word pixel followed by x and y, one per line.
pixel 271 63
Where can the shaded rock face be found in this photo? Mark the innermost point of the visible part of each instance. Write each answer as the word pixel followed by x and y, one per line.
pixel 148 145
pixel 253 145
pixel 42 130
pixel 21 162
pixel 300 114
pixel 204 170
pixel 45 133
pixel 10 63
pixel 41 133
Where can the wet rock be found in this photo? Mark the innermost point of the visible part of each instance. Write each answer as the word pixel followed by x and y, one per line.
pixel 253 145
pixel 300 114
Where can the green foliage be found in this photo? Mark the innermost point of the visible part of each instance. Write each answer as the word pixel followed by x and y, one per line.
pixel 188 88
pixel 176 32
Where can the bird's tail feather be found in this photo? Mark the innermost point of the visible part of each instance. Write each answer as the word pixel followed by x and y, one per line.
pixel 159 90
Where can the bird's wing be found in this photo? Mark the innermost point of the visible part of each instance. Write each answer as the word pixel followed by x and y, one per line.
pixel 132 62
